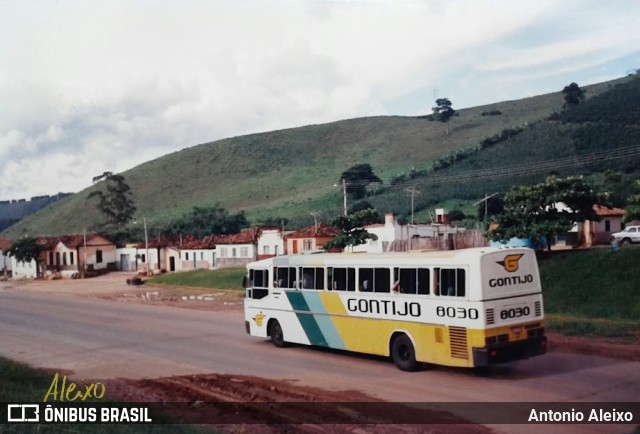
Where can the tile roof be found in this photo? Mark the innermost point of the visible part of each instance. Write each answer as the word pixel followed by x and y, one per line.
pixel 321 230
pixel 611 212
pixel 4 244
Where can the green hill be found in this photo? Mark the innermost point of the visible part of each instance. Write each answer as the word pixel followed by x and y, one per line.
pixel 289 173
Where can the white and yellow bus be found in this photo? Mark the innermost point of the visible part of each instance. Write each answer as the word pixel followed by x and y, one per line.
pixel 466 308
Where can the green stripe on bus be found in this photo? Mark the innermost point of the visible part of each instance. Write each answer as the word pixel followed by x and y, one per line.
pixel 307 321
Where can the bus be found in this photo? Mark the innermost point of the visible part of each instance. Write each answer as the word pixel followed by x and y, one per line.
pixel 462 308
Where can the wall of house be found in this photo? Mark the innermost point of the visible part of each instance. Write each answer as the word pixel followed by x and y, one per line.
pixel 61 260
pixel 600 232
pixel 5 265
pixel 23 270
pixel 197 259
pixel 270 244
pixel 233 255
pixel 305 245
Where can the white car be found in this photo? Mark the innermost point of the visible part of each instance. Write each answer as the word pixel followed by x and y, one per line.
pixel 629 235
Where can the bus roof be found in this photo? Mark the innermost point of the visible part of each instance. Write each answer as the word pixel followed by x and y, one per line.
pixel 462 256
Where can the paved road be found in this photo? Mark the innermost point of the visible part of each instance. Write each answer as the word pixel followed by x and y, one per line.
pixel 98 339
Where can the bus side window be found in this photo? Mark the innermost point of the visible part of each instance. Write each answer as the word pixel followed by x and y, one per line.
pixel 450 281
pixel 365 280
pixel 382 280
pixel 342 279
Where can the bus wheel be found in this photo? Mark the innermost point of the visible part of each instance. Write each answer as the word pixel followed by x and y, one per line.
pixel 403 353
pixel 275 331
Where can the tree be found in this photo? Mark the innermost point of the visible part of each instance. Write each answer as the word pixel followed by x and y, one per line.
pixel 203 221
pixel 632 211
pixel 536 212
pixel 352 231
pixel 493 205
pixel 443 111
pixel 357 178
pixel 573 95
pixel 115 202
pixel 25 250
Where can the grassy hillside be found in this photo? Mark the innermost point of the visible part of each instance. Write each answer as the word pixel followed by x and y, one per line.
pixel 288 173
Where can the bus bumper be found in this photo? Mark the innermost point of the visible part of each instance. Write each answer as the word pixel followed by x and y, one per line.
pixel 509 351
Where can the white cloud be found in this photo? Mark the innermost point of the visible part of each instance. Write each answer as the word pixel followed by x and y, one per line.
pixel 106 85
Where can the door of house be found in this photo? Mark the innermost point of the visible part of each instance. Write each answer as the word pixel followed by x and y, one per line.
pixel 172 263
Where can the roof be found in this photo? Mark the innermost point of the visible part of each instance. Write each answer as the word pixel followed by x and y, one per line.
pixel 314 231
pixel 71 241
pixel 4 244
pixel 603 211
pixel 247 236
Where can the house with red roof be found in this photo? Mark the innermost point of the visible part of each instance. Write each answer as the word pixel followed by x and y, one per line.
pixel 77 255
pixel 310 239
pixel 237 249
pixel 611 220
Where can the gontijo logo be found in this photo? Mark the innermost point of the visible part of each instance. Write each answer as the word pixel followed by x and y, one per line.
pixel 510 262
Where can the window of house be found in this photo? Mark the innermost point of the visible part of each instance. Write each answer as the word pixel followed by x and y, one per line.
pixel 450 281
pixel 342 279
pixel 223 252
pixel 374 280
pixel 308 245
pixel 244 252
pixel 411 280
pixel 186 256
pixel 71 258
pixel 98 256
pixel 233 252
pixel 64 258
pixel 143 257
pixel 57 258
pixel 265 250
pixel 607 225
pixel 50 258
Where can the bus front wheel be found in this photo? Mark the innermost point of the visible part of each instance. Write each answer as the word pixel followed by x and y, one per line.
pixel 403 353
pixel 275 331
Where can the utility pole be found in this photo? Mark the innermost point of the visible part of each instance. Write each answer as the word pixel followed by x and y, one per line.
pixel 413 193
pixel 344 195
pixel 315 220
pixel 486 201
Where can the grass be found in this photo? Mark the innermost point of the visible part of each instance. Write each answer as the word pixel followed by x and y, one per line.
pixel 224 278
pixel 592 292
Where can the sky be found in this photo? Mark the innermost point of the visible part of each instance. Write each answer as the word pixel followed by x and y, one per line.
pixel 105 85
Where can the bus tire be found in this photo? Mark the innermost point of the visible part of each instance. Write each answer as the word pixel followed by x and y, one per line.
pixel 275 331
pixel 403 354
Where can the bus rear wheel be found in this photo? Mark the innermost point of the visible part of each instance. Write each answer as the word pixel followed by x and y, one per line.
pixel 403 354
pixel 277 337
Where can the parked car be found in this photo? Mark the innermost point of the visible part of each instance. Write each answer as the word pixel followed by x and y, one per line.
pixel 629 235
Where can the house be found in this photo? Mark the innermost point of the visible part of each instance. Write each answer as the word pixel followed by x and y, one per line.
pixel 5 261
pixel 394 237
pixel 611 220
pixel 72 255
pixel 310 239
pixel 271 243
pixel 196 254
pixel 11 268
pixel 237 249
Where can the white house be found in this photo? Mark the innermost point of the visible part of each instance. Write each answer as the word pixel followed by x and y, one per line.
pixel 237 249
pixel 393 236
pixel 270 243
